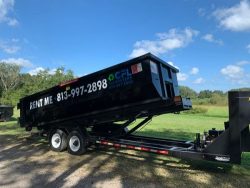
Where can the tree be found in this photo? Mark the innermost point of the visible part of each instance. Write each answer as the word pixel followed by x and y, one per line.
pixel 9 76
pixel 59 76
pixel 44 79
pixel 219 92
pixel 187 92
pixel 29 84
pixel 205 94
pixel 218 99
pixel 1 91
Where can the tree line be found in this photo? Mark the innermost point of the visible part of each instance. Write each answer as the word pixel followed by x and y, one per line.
pixel 205 97
pixel 14 85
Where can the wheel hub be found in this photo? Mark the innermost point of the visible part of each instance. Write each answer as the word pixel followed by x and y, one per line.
pixel 56 140
pixel 74 143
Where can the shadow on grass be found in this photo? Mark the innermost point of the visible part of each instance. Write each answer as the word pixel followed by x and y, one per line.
pixel 28 161
pixel 9 126
pixel 172 162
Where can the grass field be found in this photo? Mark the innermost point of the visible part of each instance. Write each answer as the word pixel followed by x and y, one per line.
pixel 178 126
pixel 11 127
pixel 184 126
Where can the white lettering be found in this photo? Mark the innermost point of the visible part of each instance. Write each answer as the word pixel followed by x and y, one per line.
pixel 46 101
pixel 41 102
pixel 50 100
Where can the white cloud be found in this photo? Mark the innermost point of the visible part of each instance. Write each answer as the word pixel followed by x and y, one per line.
pixel 199 81
pixel 10 46
pixel 236 73
pixel 248 48
pixel 210 38
pixel 242 63
pixel 18 61
pixel 36 70
pixel 194 71
pixel 172 64
pixel 233 71
pixel 182 76
pixel 6 6
pixel 236 18
pixel 15 40
pixel 52 71
pixel 201 12
pixel 12 22
pixel 165 42
pixel 9 49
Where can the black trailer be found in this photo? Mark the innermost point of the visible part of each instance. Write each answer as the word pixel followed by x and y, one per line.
pixel 85 111
pixel 6 112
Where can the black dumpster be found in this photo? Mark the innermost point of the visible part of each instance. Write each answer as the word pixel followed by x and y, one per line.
pixel 143 86
pixel 6 112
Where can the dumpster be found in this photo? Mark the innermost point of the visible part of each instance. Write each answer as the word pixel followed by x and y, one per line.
pixel 143 86
pixel 6 112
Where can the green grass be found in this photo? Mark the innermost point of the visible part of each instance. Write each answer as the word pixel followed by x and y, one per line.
pixel 11 127
pixel 216 111
pixel 184 126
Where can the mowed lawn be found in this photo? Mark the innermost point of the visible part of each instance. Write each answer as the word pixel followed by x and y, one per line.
pixel 11 127
pixel 185 125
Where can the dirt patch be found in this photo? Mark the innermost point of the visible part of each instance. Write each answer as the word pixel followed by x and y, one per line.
pixel 28 162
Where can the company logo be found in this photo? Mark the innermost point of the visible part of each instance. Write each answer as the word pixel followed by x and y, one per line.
pixel 120 78
pixel 119 75
pixel 111 77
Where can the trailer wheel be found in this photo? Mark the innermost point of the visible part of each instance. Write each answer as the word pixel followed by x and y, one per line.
pixel 76 143
pixel 58 140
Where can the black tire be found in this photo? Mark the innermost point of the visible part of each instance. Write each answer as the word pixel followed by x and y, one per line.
pixel 58 140
pixel 76 143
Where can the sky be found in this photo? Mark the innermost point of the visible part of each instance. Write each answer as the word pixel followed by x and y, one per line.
pixel 209 41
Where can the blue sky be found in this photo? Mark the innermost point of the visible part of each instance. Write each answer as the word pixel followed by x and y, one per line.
pixel 209 41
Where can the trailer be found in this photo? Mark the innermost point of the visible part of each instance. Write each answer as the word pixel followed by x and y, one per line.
pixel 6 112
pixel 101 108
